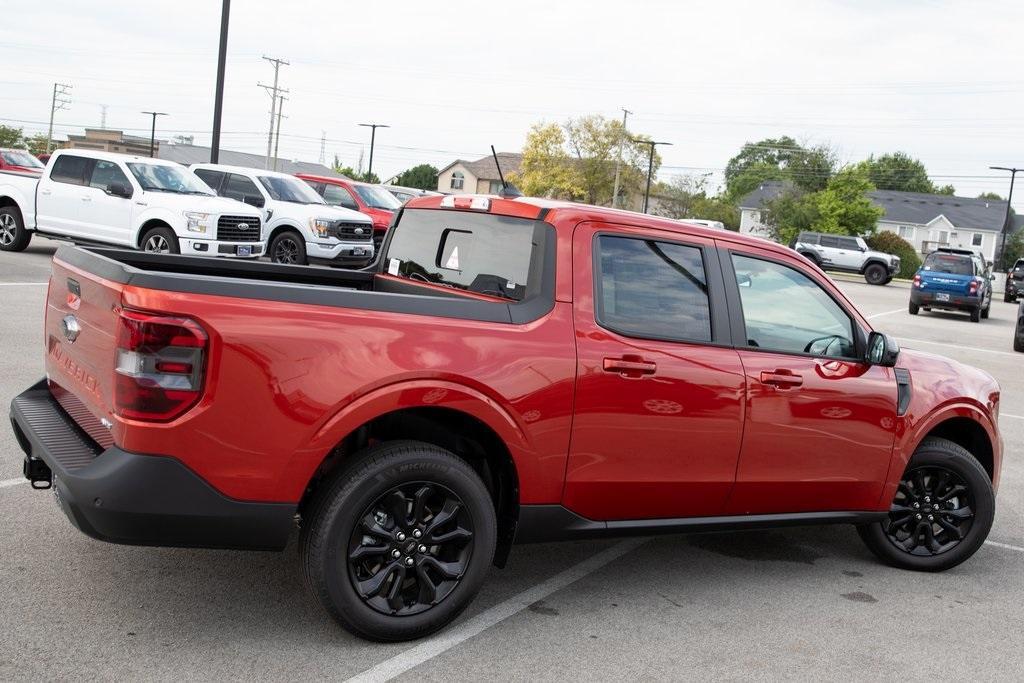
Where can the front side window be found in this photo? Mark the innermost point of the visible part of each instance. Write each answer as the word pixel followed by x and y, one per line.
pixel 458 179
pixel 652 289
pixel 339 196
pixel 166 178
pixel 478 252
pixel 288 189
pixel 786 311
pixel 106 172
pixel 241 188
pixel 377 198
pixel 849 243
pixel 70 169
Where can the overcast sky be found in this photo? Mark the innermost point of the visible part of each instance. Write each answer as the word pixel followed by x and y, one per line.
pixel 943 81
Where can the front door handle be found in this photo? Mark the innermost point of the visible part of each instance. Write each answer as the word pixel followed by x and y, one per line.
pixel 783 379
pixel 44 192
pixel 630 366
pixel 86 199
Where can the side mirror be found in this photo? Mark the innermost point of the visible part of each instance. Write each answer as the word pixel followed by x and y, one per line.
pixel 254 200
pixel 119 189
pixel 882 350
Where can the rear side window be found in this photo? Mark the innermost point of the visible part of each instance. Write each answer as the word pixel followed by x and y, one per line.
pixel 652 289
pixel 70 169
pixel 211 178
pixel 477 252
pixel 949 263
pixel 808 238
pixel 829 241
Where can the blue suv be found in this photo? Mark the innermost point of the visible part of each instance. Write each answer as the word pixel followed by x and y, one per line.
pixel 953 280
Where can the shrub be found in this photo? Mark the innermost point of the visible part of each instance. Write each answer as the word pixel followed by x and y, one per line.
pixel 891 243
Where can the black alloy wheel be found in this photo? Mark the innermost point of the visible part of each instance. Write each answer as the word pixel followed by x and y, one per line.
pixel 286 250
pixel 875 274
pixel 932 512
pixel 410 549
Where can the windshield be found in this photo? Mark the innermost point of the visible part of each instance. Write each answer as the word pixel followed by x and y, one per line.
pixel 163 178
pixel 483 253
pixel 377 198
pixel 949 263
pixel 285 189
pixel 19 158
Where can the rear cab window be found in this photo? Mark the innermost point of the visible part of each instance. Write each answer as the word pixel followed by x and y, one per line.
pixel 952 264
pixel 483 253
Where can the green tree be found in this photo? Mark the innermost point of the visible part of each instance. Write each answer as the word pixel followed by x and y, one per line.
pixel 891 243
pixel 990 195
pixel 546 169
pixel 11 137
pixel 946 189
pixel 789 214
pixel 353 174
pixel 686 196
pixel 37 144
pixel 423 177
pixel 899 171
pixel 1013 250
pixel 809 168
pixel 843 207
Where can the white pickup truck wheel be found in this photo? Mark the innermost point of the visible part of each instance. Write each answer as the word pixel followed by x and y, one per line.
pixel 13 235
pixel 160 241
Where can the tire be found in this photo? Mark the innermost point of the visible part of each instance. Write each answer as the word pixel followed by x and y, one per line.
pixel 913 308
pixel 160 241
pixel 875 274
pixel 985 311
pixel 933 459
pixel 811 257
pixel 888 279
pixel 1007 299
pixel 976 315
pixel 355 509
pixel 288 248
pixel 13 235
pixel 1018 343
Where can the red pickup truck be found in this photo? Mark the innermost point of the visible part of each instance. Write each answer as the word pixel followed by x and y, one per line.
pixel 511 371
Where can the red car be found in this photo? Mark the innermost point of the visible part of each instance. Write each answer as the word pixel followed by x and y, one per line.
pixel 20 160
pixel 514 371
pixel 373 200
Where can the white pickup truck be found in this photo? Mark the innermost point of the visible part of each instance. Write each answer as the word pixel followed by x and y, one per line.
pixel 301 227
pixel 128 201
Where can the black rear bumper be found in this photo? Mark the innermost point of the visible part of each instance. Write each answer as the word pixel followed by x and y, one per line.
pixel 121 497
pixel 956 302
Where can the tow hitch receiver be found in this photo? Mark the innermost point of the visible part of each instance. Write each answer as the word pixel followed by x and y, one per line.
pixel 37 472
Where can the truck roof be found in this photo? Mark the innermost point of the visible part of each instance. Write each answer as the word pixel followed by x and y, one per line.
pixel 244 170
pixel 113 156
pixel 556 209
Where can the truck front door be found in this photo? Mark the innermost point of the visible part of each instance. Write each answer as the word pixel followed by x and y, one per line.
pixel 658 414
pixel 105 216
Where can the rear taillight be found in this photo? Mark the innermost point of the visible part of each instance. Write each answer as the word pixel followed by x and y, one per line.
pixel 917 281
pixel 972 289
pixel 160 366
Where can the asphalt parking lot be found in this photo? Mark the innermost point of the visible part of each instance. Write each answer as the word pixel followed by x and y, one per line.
pixel 800 603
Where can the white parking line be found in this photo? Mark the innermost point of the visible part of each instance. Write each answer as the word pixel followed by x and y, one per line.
pixel 12 482
pixel 958 346
pixel 23 284
pixel 1007 546
pixel 1015 417
pixel 432 647
pixel 879 315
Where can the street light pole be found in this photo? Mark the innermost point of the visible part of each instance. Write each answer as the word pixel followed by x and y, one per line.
pixel 373 135
pixel 152 133
pixel 218 97
pixel 1006 219
pixel 650 166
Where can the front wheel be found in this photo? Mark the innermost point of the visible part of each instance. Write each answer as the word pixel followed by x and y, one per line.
pixel 399 542
pixel 160 241
pixel 288 248
pixel 875 274
pixel 942 512
pixel 13 235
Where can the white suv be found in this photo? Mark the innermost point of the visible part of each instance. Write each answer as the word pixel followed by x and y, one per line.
pixel 847 255
pixel 301 227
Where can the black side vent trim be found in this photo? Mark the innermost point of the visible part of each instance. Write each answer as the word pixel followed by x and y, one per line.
pixel 903 391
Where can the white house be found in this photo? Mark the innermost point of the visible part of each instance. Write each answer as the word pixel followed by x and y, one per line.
pixel 477 177
pixel 927 221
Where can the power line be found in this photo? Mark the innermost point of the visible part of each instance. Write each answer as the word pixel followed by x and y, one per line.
pixel 274 92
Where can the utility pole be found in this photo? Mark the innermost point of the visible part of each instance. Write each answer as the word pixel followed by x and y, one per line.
pixel 1009 208
pixel 618 161
pixel 277 136
pixel 103 116
pixel 650 166
pixel 218 93
pixel 323 147
pixel 152 133
pixel 373 134
pixel 61 100
pixel 274 93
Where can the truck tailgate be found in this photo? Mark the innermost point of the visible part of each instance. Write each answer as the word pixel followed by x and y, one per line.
pixel 80 329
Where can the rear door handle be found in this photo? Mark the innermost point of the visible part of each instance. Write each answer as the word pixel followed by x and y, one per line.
pixel 86 199
pixel 784 379
pixel 630 366
pixel 44 192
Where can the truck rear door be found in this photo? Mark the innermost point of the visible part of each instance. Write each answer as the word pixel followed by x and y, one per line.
pixel 62 193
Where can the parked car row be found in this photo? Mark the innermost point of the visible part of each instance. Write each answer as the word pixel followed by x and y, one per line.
pixel 203 210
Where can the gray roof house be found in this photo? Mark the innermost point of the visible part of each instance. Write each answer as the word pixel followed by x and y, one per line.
pixel 196 154
pixel 477 177
pixel 927 221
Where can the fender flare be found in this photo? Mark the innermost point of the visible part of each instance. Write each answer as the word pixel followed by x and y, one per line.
pixel 907 443
pixel 872 261
pixel 416 393
pixel 165 216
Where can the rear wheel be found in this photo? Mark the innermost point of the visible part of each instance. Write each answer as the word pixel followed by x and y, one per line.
pixel 976 315
pixel 13 235
pixel 941 514
pixel 160 241
pixel 985 311
pixel 913 308
pixel 400 541
pixel 288 248
pixel 875 274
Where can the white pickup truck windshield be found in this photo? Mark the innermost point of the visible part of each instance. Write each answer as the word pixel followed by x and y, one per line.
pixel 161 178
